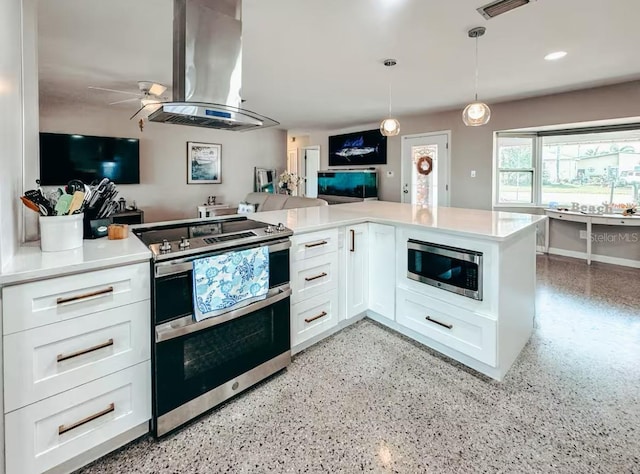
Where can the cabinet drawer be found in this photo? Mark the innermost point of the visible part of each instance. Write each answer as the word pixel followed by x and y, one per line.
pixel 314 244
pixel 567 217
pixel 48 360
pixel 54 430
pixel 631 221
pixel 459 329
pixel 57 299
pixel 313 276
pixel 313 316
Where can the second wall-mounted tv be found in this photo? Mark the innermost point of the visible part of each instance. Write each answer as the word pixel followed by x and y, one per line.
pixel 87 158
pixel 360 148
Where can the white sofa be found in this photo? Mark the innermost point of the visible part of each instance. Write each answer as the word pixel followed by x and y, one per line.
pixel 275 202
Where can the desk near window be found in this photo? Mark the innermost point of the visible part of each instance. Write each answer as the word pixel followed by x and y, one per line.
pixel 589 220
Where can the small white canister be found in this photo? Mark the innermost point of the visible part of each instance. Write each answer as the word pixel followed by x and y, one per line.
pixel 59 233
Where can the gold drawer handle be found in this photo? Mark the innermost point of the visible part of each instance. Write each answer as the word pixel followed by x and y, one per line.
pixel 62 357
pixel 322 275
pixel 321 315
pixel 316 244
pixel 86 295
pixel 435 321
pixel 63 429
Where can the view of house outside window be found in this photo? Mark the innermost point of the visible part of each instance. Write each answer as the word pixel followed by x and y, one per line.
pixel 558 170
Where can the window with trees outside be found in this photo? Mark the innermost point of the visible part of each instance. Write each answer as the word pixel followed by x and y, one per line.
pixel 585 166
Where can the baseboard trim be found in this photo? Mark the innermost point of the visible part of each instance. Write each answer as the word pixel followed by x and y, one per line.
pixel 625 262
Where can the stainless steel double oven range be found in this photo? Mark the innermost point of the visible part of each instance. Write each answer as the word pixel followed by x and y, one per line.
pixel 198 365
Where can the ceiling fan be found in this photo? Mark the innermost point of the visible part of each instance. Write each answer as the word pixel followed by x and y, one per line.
pixel 150 93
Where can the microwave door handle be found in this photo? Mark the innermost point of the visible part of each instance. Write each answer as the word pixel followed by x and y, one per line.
pixel 167 331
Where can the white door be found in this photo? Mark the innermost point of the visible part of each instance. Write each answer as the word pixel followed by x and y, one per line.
pixel 382 266
pixel 425 169
pixel 357 269
pixel 310 167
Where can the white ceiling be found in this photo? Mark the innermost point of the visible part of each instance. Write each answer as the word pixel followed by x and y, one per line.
pixel 317 64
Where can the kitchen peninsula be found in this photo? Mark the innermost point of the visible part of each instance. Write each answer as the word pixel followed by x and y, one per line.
pixel 346 261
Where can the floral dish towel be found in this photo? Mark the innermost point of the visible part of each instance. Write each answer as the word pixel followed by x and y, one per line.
pixel 229 281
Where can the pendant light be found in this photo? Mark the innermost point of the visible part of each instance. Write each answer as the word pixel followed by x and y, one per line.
pixel 476 113
pixel 390 127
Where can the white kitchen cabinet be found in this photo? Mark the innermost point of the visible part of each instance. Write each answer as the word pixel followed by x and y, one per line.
pixel 314 244
pixel 49 301
pixel 45 434
pixel 314 276
pixel 51 359
pixel 382 264
pixel 357 269
pixel 467 332
pixel 314 285
pixel 313 316
pixel 76 361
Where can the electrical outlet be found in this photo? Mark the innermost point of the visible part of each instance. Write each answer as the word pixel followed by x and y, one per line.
pixel 473 173
pixel 583 234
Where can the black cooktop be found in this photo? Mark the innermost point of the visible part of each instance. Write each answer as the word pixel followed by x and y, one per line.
pixel 168 241
pixel 175 232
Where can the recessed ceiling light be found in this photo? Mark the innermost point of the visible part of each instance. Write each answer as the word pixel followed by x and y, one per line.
pixel 555 55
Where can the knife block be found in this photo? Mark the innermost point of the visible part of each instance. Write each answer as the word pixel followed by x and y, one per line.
pixel 95 228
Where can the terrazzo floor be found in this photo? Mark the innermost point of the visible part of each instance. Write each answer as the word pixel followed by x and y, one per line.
pixel 369 400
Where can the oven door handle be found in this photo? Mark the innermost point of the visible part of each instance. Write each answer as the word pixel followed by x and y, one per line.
pixel 187 325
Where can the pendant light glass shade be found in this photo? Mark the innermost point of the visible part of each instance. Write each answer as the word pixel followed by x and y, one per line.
pixel 389 127
pixel 476 113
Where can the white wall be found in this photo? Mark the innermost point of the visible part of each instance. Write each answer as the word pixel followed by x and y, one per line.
pixel 471 148
pixel 11 149
pixel 163 192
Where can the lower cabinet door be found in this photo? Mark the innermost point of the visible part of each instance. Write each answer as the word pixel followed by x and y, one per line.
pixel 467 332
pixel 45 434
pixel 313 316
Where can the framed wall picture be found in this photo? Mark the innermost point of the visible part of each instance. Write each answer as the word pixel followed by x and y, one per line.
pixel 203 163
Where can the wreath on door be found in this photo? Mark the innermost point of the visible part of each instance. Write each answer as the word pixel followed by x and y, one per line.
pixel 424 165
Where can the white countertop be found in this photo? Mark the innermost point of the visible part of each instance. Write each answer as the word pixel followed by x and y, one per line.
pixel 491 225
pixel 30 263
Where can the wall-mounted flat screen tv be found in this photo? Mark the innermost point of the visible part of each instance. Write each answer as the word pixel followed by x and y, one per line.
pixel 361 148
pixel 87 158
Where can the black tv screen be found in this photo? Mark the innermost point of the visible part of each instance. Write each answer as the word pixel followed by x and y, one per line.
pixel 87 158
pixel 360 148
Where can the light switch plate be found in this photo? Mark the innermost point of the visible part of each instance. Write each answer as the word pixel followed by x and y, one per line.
pixel 473 173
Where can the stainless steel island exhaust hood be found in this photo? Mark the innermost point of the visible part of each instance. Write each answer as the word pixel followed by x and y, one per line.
pixel 207 68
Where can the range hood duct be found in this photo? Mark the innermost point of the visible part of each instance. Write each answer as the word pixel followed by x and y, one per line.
pixel 207 68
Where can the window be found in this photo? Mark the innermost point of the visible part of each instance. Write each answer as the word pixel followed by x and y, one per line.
pixel 586 166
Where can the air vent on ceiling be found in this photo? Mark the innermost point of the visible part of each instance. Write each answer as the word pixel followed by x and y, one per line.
pixel 494 9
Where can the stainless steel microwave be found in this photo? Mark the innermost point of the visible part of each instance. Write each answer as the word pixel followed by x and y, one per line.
pixel 448 268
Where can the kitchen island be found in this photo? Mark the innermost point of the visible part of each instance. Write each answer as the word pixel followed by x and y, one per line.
pixel 485 332
pixel 76 324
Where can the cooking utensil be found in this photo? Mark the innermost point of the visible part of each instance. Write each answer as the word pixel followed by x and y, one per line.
pixel 30 204
pixel 76 202
pixel 35 196
pixel 62 206
pixel 74 185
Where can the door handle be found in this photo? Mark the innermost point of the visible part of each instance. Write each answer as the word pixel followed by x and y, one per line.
pixel 186 325
pixel 353 240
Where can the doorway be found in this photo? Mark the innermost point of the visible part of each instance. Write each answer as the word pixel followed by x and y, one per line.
pixel 426 169
pixel 310 156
